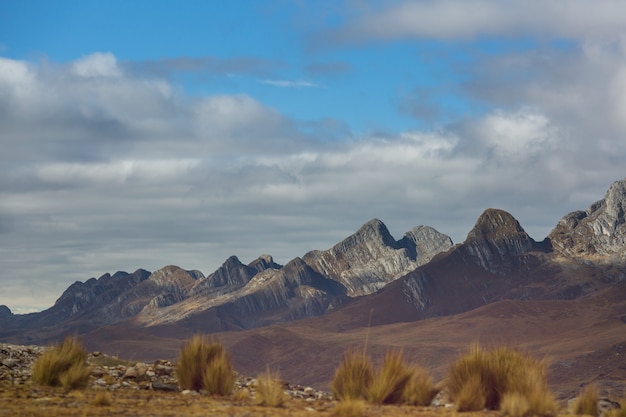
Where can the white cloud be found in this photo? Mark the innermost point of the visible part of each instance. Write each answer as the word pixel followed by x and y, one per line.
pixel 148 171
pixel 520 135
pixel 469 19
pixel 97 65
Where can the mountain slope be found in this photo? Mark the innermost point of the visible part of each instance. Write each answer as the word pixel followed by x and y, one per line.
pixel 371 258
pixel 497 261
pixel 238 296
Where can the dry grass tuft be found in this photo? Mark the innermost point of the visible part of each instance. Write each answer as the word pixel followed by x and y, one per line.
pixel 102 399
pixel 350 408
pixel 241 396
pixel 587 401
pixel 269 390
pixel 542 402
pixel 482 378
pixel 391 380
pixel 471 395
pixel 514 405
pixel 353 377
pixel 219 378
pixel 420 390
pixel 204 363
pixel 76 377
pixel 63 364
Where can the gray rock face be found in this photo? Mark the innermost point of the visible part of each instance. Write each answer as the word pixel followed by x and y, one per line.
pixel 172 278
pixel 427 241
pixel 228 277
pixel 169 284
pixel 5 311
pixel 296 289
pixel 163 300
pixel 264 262
pixel 599 231
pixel 370 259
pixel 497 236
pixel 81 300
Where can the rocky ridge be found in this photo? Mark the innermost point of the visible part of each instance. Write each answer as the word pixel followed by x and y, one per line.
pixel 596 233
pixel 371 258
pixel 237 296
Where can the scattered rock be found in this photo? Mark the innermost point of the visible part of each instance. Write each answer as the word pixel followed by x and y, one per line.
pixel 605 405
pixel 161 386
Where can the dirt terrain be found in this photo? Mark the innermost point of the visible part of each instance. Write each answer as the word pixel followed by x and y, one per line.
pixel 29 401
pixel 584 340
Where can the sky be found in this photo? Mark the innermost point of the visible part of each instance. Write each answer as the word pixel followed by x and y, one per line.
pixel 139 134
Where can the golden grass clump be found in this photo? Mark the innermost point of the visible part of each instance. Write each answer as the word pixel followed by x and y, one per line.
pixel 420 390
pixel 102 399
pixel 241 396
pixel 350 408
pixel 514 405
pixel 219 378
pixel 587 401
pixel 471 395
pixel 353 377
pixel 480 379
pixel 390 380
pixel 76 377
pixel 204 363
pixel 63 365
pixel 269 390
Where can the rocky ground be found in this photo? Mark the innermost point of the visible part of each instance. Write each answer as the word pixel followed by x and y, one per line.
pixel 151 389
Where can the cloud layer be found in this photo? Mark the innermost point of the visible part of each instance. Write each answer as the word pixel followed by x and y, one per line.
pixel 110 165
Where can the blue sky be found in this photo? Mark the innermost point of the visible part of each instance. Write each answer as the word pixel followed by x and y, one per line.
pixel 272 51
pixel 140 134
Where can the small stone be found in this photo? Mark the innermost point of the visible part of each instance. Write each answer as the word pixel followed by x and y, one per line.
pixel 10 363
pixel 309 391
pixel 131 373
pixel 164 369
pixel 161 386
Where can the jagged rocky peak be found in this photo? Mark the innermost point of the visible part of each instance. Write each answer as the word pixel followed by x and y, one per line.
pixel 174 277
pixel 232 274
pixel 495 224
pixel 598 231
pixel 496 237
pixel 373 230
pixel 264 262
pixel 424 242
pixel 369 259
pixel 92 287
pixel 5 311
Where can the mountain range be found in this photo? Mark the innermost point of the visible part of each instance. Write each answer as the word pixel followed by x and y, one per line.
pixel 564 296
